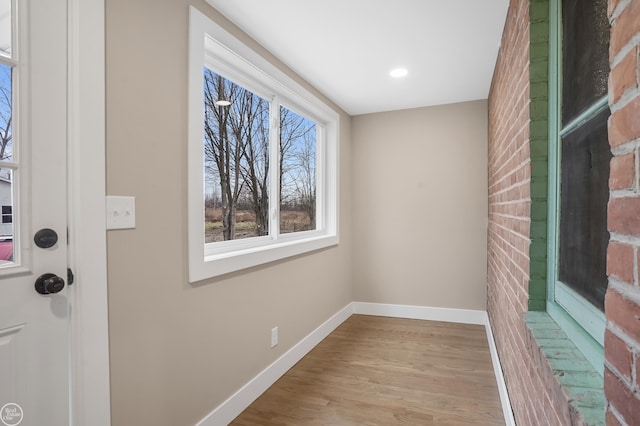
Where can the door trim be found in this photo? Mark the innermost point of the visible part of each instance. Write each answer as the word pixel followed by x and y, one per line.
pixel 89 352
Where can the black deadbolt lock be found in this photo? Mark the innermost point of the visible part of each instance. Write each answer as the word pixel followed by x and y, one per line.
pixel 45 238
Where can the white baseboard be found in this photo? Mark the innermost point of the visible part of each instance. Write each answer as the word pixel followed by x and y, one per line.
pixel 507 412
pixel 239 401
pixel 464 316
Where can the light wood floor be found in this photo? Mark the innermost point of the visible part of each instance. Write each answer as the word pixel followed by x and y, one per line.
pixel 386 371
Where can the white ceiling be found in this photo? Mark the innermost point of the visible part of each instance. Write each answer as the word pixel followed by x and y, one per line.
pixel 346 48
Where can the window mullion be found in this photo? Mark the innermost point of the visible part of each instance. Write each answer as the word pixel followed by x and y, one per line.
pixel 11 62
pixel 586 115
pixel 274 168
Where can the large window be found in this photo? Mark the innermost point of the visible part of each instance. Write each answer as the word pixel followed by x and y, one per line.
pixel 262 158
pixel 579 171
pixel 238 163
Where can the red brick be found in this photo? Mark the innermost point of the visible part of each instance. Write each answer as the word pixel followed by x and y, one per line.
pixel 529 379
pixel 622 172
pixel 620 261
pixel 624 125
pixel 624 215
pixel 623 313
pixel 618 354
pixel 621 397
pixel 627 24
pixel 624 75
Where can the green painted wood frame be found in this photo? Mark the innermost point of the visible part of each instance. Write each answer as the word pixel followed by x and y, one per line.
pixel 581 321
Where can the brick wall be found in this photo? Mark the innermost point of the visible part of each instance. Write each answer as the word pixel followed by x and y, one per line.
pixel 622 303
pixel 517 241
pixel 517 158
pixel 509 219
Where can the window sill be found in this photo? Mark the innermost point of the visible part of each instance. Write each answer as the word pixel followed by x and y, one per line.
pixel 574 377
pixel 207 265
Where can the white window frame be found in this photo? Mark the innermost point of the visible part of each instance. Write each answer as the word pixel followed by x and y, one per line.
pixel 211 46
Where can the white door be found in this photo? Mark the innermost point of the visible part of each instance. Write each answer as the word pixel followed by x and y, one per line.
pixel 34 343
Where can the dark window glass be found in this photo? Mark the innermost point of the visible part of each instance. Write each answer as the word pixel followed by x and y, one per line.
pixel 6 214
pixel 585 55
pixel 584 196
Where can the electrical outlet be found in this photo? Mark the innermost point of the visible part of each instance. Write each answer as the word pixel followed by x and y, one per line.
pixel 274 337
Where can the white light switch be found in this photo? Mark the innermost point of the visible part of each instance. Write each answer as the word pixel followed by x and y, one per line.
pixel 121 212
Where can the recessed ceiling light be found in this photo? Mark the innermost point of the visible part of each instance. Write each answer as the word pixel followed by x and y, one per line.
pixel 223 102
pixel 398 72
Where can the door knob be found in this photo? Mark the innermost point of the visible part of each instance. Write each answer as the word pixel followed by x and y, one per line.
pixel 49 284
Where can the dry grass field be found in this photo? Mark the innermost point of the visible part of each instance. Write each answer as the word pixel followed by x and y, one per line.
pixel 290 221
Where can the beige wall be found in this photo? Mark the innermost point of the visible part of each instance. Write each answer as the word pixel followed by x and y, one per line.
pixel 177 350
pixel 420 206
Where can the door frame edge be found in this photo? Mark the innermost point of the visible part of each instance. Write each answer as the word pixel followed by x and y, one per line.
pixel 86 168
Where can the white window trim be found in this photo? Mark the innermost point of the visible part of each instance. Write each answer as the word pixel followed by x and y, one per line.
pixel 212 46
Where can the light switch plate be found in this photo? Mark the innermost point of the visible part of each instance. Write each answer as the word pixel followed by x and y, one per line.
pixel 121 212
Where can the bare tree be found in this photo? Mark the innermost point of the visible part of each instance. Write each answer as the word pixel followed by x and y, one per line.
pixel 222 153
pixel 293 127
pixel 250 126
pixel 237 154
pixel 6 134
pixel 305 178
